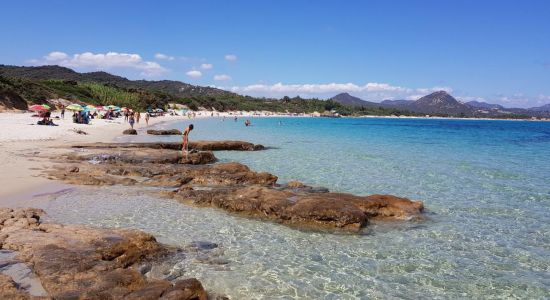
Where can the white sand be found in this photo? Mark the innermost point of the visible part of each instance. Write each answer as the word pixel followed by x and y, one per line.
pixel 23 148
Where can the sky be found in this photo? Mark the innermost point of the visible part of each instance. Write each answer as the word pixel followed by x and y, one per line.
pixel 492 51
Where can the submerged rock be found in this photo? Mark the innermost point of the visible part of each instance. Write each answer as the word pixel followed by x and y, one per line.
pixel 164 132
pixel 78 262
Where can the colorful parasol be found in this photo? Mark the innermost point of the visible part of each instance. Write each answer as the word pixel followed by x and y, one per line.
pixel 74 107
pixel 39 107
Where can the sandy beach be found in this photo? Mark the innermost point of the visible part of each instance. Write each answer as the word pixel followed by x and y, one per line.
pixel 22 145
pixel 21 138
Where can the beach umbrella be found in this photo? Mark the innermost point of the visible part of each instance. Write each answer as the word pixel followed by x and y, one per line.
pixel 99 107
pixel 90 106
pixel 74 107
pixel 46 106
pixel 39 107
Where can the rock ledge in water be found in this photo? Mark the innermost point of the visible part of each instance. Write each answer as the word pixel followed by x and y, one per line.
pixel 232 187
pixel 164 132
pixel 193 145
pixel 78 262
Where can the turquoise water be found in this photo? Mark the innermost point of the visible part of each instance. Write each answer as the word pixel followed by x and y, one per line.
pixel 484 184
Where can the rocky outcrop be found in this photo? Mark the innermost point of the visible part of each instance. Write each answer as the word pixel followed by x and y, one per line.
pixel 130 132
pixel 164 132
pixel 193 145
pixel 303 209
pixel 78 262
pixel 230 186
pixel 139 155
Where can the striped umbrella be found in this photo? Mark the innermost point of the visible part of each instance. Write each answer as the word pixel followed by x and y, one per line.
pixel 39 107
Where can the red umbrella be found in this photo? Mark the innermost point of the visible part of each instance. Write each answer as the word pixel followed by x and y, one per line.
pixel 38 107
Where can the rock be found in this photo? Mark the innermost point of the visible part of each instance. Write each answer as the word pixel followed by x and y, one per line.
pixel 164 132
pixel 294 184
pixel 307 210
pixel 202 245
pixel 198 158
pixel 73 169
pixel 193 145
pixel 130 131
pixel 230 186
pixel 9 290
pixel 78 262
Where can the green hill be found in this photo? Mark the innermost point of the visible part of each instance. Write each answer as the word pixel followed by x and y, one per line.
pixel 20 86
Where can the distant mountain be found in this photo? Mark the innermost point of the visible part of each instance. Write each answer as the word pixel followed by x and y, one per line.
pixel 440 103
pixel 349 100
pixel 175 88
pixel 396 103
pixel 544 108
pixel 484 105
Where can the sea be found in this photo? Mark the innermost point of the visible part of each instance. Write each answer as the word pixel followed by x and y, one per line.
pixel 485 233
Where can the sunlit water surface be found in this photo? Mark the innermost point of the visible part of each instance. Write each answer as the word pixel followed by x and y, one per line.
pixel 485 185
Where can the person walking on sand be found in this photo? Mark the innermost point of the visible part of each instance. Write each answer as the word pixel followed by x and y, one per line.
pixel 63 112
pixel 137 117
pixel 147 118
pixel 185 143
pixel 131 119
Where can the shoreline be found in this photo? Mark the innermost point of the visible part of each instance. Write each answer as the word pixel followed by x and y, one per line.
pixel 18 141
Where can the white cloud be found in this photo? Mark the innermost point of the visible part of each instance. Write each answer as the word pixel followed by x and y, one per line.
pixel 231 57
pixel 103 61
pixel 323 88
pixel 194 74
pixel 164 56
pixel 372 91
pixel 56 55
pixel 206 66
pixel 222 77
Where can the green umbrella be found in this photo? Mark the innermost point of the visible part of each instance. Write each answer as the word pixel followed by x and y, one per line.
pixel 75 107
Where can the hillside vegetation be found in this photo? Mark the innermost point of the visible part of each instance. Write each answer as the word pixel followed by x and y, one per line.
pixel 30 85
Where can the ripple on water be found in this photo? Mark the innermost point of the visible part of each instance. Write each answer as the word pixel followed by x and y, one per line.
pixel 484 183
pixel 262 260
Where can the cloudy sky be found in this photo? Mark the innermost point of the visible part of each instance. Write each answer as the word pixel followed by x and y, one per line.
pixel 494 51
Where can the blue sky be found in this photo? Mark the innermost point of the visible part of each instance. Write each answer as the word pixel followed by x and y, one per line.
pixel 496 51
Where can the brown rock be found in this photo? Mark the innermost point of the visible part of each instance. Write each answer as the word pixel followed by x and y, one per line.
pixel 78 262
pixel 130 132
pixel 231 186
pixel 309 210
pixel 294 184
pixel 164 132
pixel 9 290
pixel 193 145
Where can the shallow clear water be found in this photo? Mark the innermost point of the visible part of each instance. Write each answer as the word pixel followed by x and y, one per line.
pixel 484 183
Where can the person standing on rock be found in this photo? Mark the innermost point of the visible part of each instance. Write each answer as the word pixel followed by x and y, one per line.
pixel 185 143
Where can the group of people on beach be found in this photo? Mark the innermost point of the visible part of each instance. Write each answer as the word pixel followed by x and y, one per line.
pixel 133 117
